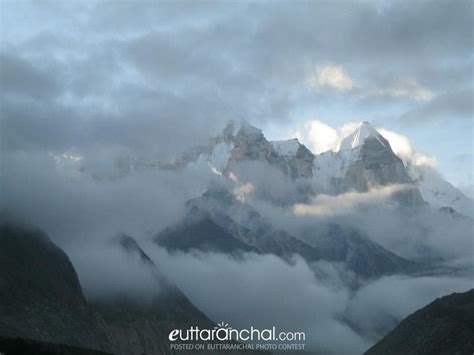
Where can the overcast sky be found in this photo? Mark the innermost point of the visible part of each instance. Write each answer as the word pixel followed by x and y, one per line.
pixel 154 77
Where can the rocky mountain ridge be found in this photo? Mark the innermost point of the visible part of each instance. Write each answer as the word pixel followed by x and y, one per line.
pixel 217 221
pixel 360 161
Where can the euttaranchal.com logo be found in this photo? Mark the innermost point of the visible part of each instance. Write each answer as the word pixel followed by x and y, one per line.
pixel 224 337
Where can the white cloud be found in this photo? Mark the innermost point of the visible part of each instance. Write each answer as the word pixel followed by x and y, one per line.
pixel 336 77
pixel 411 88
pixel 333 76
pixel 328 205
pixel 402 147
pixel 318 136
pixel 347 129
pixel 241 192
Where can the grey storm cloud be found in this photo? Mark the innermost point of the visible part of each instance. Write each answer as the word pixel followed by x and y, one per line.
pixel 20 77
pixel 105 73
pixel 454 105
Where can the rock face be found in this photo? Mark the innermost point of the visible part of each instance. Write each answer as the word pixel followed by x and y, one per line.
pixel 363 160
pixel 244 142
pixel 202 233
pixel 41 298
pixel 359 162
pixel 293 158
pixel 372 161
pixel 217 221
pixel 360 254
pixel 249 143
pixel 445 326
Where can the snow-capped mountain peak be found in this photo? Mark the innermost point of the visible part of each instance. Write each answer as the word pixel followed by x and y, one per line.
pixel 356 139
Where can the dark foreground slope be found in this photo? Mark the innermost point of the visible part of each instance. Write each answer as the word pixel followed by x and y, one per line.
pixel 20 346
pixel 43 309
pixel 41 298
pixel 445 326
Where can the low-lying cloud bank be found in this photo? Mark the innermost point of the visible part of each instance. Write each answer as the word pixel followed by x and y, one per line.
pixel 263 291
pixel 70 204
